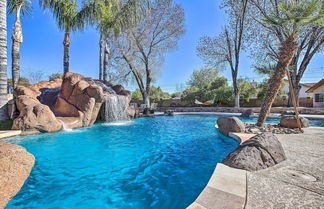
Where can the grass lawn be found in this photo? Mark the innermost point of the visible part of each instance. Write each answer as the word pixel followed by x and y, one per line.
pixel 5 125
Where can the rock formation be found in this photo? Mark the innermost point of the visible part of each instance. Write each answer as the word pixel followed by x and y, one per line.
pixel 247 113
pixel 33 115
pixel 230 124
pixel 259 152
pixel 74 101
pixel 291 122
pixel 15 166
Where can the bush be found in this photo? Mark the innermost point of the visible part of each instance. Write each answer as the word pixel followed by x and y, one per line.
pixel 5 125
pixel 55 76
pixel 156 94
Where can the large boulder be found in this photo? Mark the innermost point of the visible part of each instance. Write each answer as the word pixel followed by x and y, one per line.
pixel 230 124
pixel 25 91
pixel 291 122
pixel 118 88
pixel 259 152
pixel 65 109
pixel 37 117
pixel 132 111
pixel 247 113
pixel 80 93
pixel 15 166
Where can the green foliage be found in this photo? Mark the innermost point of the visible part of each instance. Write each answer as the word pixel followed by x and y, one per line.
pixel 5 124
pixel 266 69
pixel 54 76
pixel 216 90
pixel 65 13
pixel 114 15
pixel 202 77
pixel 22 81
pixel 176 94
pixel 247 90
pixel 13 5
pixel 156 94
pixel 137 96
pixel 263 87
pixel 223 95
pixel 295 13
pixel 190 94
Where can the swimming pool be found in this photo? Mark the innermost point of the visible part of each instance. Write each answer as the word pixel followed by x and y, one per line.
pixel 157 162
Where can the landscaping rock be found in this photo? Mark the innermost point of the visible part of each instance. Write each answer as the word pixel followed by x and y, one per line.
pixel 169 113
pixel 287 112
pixel 259 152
pixel 291 122
pixel 65 109
pixel 36 117
pixel 247 113
pixel 83 94
pixel 15 166
pixel 230 124
pixel 132 112
pixel 118 89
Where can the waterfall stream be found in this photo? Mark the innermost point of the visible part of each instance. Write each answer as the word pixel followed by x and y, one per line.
pixel 116 108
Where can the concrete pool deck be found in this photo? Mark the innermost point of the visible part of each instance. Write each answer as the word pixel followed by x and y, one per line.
pixel 297 182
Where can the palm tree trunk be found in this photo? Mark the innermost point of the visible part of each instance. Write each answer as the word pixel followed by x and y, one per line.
pixel 106 59
pixel 66 44
pixel 15 51
pixel 286 53
pixel 3 61
pixel 101 42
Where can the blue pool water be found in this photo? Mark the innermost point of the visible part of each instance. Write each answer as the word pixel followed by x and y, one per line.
pixel 157 162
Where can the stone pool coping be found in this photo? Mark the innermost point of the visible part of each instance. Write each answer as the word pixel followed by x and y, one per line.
pixel 9 133
pixel 226 189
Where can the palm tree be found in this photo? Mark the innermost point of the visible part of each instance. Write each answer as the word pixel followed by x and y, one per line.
pixel 68 19
pixel 111 17
pixel 3 60
pixel 294 14
pixel 18 7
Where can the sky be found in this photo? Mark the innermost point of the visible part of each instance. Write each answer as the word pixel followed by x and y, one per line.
pixel 42 48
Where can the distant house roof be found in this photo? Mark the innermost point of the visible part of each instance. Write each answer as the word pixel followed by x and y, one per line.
pixel 308 85
pixel 315 86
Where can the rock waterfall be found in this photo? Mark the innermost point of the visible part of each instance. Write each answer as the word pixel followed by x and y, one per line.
pixel 116 108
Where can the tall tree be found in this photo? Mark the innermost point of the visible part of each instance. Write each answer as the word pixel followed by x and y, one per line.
pixel 111 17
pixel 292 15
pixel 3 61
pixel 139 51
pixel 227 47
pixel 19 8
pixel 68 19
pixel 309 38
pixel 202 77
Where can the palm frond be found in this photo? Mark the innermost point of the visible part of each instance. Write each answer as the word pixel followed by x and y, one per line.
pixel 294 13
pixel 13 5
